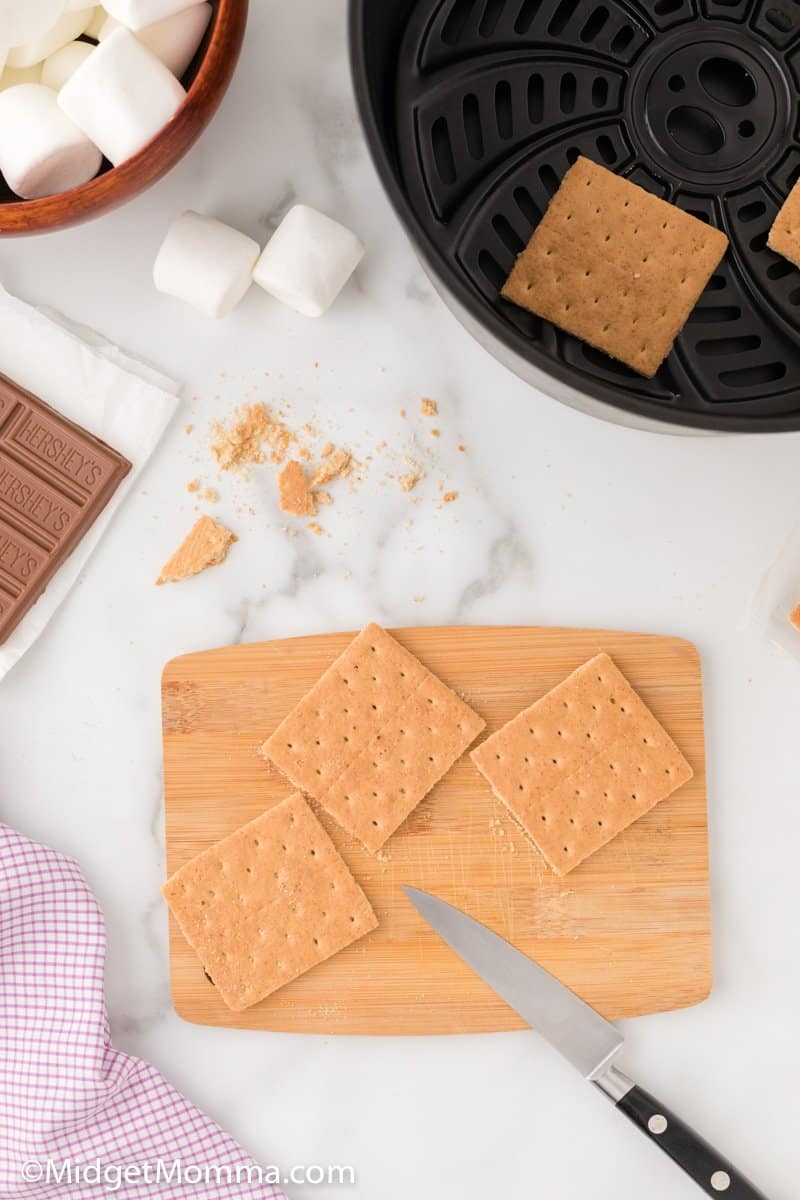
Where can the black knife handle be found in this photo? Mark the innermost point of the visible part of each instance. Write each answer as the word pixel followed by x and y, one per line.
pixel 702 1162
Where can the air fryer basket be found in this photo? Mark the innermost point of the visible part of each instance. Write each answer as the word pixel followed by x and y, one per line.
pixel 474 109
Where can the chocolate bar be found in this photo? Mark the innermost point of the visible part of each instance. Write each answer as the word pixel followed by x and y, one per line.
pixel 55 480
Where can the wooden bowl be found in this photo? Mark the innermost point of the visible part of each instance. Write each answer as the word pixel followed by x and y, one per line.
pixel 206 81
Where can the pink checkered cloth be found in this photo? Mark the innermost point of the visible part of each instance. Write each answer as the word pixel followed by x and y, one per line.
pixel 65 1093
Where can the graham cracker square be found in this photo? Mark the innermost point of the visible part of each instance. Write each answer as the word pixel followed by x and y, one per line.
pixel 582 763
pixel 784 236
pixel 267 903
pixel 373 736
pixel 615 266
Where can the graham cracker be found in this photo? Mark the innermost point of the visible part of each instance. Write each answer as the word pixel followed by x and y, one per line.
pixel 373 736
pixel 206 545
pixel 267 903
pixel 335 463
pixel 784 236
pixel 582 763
pixel 615 266
pixel 294 496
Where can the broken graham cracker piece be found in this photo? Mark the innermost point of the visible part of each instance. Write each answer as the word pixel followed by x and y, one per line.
pixel 784 236
pixel 267 903
pixel 240 444
pixel 335 463
pixel 206 545
pixel 293 492
pixel 582 763
pixel 615 266
pixel 373 736
pixel 794 617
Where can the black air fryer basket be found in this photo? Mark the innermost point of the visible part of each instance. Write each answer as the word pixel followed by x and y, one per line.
pixel 474 110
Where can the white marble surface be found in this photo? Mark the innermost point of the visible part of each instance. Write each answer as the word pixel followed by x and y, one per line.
pixel 560 519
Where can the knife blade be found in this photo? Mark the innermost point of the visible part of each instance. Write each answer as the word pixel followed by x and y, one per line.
pixel 579 1033
pixel 581 1036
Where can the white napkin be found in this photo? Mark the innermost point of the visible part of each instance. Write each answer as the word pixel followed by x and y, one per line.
pixel 97 385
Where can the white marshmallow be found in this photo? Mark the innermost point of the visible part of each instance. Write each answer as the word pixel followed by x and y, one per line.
pixel 308 260
pixel 59 67
pixel 41 151
pixel 13 78
pixel 107 27
pixel 173 40
pixel 99 18
pixel 135 14
pixel 206 263
pixel 121 96
pixel 25 20
pixel 68 27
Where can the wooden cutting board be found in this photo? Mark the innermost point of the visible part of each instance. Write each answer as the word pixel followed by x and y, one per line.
pixel 629 930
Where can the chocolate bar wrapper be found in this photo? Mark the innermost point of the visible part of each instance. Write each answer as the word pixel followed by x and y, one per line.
pixel 97 386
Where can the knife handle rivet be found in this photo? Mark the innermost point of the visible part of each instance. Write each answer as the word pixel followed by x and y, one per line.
pixel 657 1124
pixel 720 1181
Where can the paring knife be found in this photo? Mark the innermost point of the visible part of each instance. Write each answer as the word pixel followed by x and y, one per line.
pixel 583 1037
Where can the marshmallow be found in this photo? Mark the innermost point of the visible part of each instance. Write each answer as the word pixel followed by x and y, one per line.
pixel 205 263
pixel 173 40
pixel 25 20
pixel 41 151
pixel 308 260
pixel 68 27
pixel 59 67
pixel 135 14
pixel 99 18
pixel 12 78
pixel 121 96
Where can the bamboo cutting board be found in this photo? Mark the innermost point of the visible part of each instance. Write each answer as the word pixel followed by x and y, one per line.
pixel 629 929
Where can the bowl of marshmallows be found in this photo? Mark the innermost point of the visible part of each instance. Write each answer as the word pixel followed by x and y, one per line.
pixel 99 101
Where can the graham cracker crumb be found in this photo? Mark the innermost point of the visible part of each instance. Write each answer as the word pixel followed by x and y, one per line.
pixel 435 432
pixel 210 495
pixel 193 485
pixel 240 444
pixel 462 448
pixel 315 528
pixel 336 463
pixel 449 497
pixel 326 450
pixel 188 429
pixel 794 616
pixel 428 407
pixel 408 482
pixel 206 545
pixel 323 497
pixel 294 496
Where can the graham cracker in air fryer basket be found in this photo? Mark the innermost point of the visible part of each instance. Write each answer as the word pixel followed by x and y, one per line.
pixel 373 736
pixel 784 236
pixel 615 266
pixel 581 764
pixel 267 903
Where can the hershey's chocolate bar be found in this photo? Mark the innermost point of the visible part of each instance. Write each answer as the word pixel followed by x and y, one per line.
pixel 55 480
